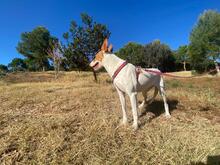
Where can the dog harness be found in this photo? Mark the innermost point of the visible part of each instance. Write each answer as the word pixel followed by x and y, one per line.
pixel 138 70
pixel 119 69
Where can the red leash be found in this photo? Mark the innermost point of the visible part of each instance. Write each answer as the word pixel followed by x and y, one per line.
pixel 166 74
pixel 172 75
pixel 139 69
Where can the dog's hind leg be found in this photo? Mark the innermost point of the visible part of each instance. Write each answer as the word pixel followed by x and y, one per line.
pixel 145 101
pixel 143 104
pixel 162 93
pixel 155 94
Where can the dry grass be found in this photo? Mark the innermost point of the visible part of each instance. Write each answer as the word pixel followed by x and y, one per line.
pixel 183 73
pixel 73 120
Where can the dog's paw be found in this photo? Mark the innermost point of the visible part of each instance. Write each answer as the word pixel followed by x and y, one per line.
pixel 135 127
pixel 142 106
pixel 123 123
pixel 167 116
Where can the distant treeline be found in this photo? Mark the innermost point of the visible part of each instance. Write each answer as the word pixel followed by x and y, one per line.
pixel 82 41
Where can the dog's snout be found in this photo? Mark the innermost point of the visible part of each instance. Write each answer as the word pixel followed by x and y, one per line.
pixel 90 64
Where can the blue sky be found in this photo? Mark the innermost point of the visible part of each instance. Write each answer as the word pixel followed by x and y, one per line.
pixel 140 21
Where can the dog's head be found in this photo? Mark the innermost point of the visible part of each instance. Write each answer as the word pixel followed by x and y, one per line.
pixel 96 63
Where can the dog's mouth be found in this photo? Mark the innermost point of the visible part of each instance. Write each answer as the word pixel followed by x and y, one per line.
pixel 95 66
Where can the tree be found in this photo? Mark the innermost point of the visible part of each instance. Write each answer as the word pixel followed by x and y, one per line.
pixel 154 55
pixel 181 56
pixel 57 56
pixel 34 46
pixel 31 64
pixel 133 53
pixel 17 64
pixel 157 55
pixel 3 68
pixel 204 48
pixel 83 41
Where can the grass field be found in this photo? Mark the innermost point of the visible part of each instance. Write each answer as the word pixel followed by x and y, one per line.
pixel 73 120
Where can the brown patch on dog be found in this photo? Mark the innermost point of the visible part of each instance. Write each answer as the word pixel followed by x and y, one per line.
pixel 99 56
pixel 105 45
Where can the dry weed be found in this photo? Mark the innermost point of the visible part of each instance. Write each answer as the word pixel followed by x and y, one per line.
pixel 73 120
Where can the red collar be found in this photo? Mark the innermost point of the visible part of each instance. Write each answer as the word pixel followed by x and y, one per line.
pixel 119 69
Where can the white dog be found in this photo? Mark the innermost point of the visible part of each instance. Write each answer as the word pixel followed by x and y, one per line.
pixel 130 80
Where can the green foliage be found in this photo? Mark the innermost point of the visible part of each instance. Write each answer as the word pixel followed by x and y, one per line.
pixel 34 46
pixel 158 55
pixel 83 41
pixel 17 64
pixel 3 68
pixel 31 64
pixel 133 53
pixel 182 57
pixel 181 54
pixel 154 55
pixel 204 46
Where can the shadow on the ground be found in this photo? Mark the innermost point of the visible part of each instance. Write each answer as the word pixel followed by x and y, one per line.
pixel 211 160
pixel 157 107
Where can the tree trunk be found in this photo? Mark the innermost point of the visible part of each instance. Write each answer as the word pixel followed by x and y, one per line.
pixel 55 70
pixel 184 65
pixel 43 69
pixel 55 65
pixel 58 69
pixel 95 76
pixel 217 67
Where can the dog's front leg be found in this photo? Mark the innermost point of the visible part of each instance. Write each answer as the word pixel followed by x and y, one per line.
pixel 123 106
pixel 133 99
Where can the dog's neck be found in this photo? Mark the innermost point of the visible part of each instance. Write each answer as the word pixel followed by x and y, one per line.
pixel 111 63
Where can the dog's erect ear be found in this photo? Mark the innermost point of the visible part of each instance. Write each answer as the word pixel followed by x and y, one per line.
pixel 105 45
pixel 110 48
